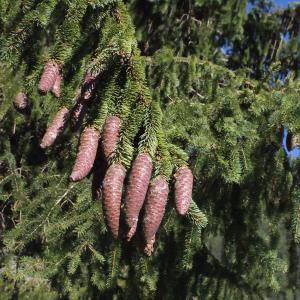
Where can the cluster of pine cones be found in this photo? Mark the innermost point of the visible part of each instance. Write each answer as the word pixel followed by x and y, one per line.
pixel 140 187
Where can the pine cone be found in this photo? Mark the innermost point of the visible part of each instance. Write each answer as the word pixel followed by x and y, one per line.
pixel 21 101
pixel 56 127
pixel 110 136
pixel 112 194
pixel 136 191
pixel 56 87
pixel 89 86
pixel 89 140
pixel 49 76
pixel 157 197
pixel 183 189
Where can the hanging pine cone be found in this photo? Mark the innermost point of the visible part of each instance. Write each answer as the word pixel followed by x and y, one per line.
pixel 49 76
pixel 56 127
pixel 89 86
pixel 110 136
pixel 56 87
pixel 89 140
pixel 157 197
pixel 183 189
pixel 136 191
pixel 21 101
pixel 112 194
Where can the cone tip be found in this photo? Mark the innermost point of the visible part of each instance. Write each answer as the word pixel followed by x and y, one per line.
pixel 182 212
pixel 74 177
pixel 115 234
pixel 149 249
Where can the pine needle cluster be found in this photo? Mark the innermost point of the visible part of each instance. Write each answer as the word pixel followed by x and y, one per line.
pixel 205 83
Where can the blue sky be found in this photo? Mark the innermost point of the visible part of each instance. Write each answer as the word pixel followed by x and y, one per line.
pixel 279 3
pixel 285 2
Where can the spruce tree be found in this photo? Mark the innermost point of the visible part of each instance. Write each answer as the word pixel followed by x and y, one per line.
pixel 112 114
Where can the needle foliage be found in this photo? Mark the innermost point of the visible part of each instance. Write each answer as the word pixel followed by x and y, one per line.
pixel 204 83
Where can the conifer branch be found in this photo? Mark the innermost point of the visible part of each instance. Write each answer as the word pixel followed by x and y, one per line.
pixel 197 217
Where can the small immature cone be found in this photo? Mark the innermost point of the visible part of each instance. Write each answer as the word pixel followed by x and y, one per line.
pixel 110 136
pixel 157 197
pixel 112 195
pixel 89 86
pixel 89 140
pixel 56 127
pixel 136 191
pixel 77 112
pixel 56 87
pixel 49 76
pixel 78 108
pixel 21 101
pixel 183 189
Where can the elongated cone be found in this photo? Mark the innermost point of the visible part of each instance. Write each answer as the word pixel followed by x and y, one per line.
pixel 112 194
pixel 56 127
pixel 157 197
pixel 183 189
pixel 21 101
pixel 89 86
pixel 56 87
pixel 49 76
pixel 89 140
pixel 137 189
pixel 110 136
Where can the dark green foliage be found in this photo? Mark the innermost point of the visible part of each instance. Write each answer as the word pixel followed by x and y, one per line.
pixel 220 112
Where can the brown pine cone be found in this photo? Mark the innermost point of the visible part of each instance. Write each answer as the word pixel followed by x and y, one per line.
pixel 112 195
pixel 56 87
pixel 49 76
pixel 110 135
pixel 136 191
pixel 183 189
pixel 56 127
pixel 86 155
pixel 89 86
pixel 157 197
pixel 21 101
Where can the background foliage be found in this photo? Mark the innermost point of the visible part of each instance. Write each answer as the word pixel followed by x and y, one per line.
pixel 227 81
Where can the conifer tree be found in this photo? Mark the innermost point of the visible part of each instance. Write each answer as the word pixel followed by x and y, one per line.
pixel 191 97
